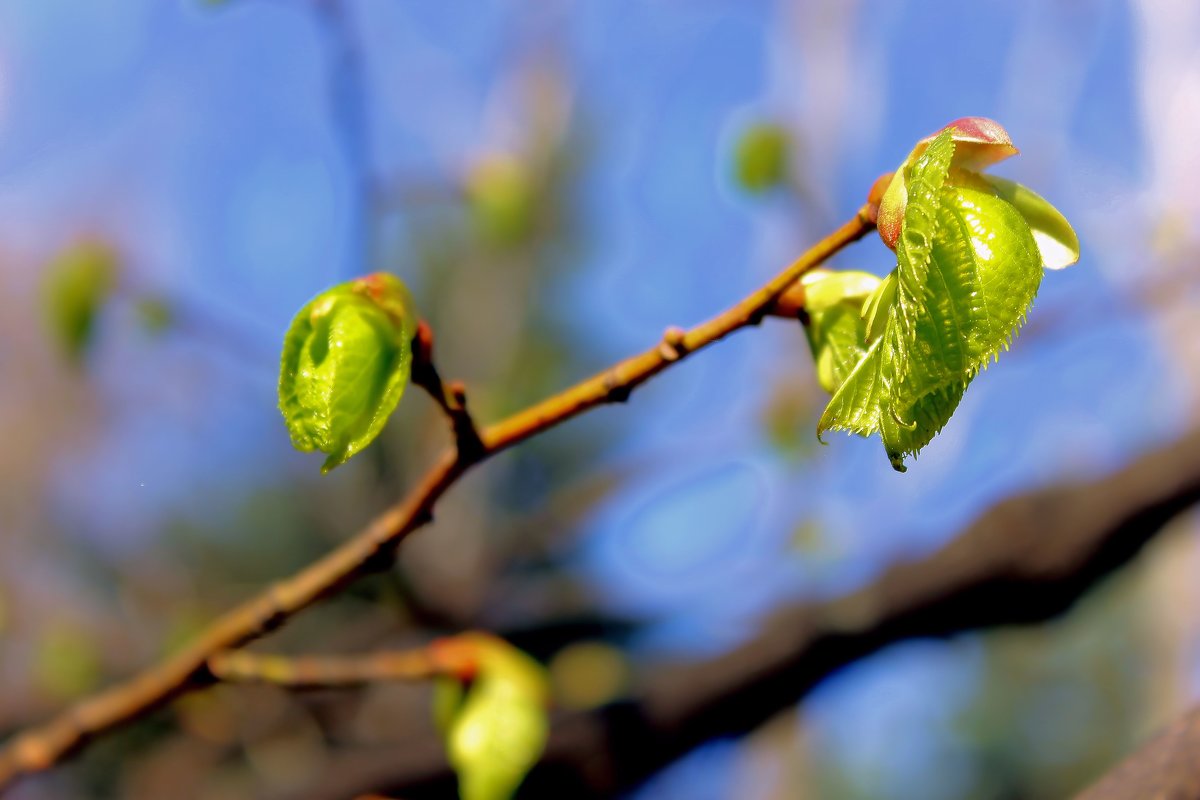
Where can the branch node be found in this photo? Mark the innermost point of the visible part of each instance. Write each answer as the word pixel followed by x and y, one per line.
pixel 790 304
pixel 451 397
pixel 674 344
pixel 278 601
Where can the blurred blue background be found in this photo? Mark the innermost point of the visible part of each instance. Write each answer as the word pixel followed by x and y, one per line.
pixel 556 183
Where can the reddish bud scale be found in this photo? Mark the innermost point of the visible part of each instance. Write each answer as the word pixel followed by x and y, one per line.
pixel 979 142
pixel 875 195
pixel 456 657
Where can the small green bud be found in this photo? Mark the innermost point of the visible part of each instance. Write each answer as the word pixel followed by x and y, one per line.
pixel 346 360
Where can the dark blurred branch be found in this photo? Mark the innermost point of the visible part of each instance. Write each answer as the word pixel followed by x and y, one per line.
pixel 1167 767
pixel 323 672
pixel 373 548
pixel 1025 560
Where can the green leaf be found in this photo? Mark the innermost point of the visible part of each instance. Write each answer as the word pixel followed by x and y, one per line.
pixel 761 157
pixel 77 284
pixel 448 696
pixel 875 309
pixel 345 363
pixel 968 269
pixel 866 398
pixel 496 733
pixel 66 663
pixel 836 329
pixel 1056 239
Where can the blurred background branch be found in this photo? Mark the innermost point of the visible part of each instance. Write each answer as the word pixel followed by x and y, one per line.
pixel 1024 561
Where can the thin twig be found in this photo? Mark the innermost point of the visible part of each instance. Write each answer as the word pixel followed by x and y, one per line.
pixel 43 746
pixel 323 672
pixel 451 397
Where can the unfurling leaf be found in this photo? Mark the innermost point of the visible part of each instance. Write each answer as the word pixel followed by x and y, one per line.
pixel 969 262
pixel 491 707
pixel 78 282
pixel 346 360
pixel 1056 240
pixel 979 143
pixel 761 157
pixel 836 329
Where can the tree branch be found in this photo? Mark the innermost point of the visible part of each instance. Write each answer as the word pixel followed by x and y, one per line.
pixel 323 672
pixel 1026 559
pixel 374 547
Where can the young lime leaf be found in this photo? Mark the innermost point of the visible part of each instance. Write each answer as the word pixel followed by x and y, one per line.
pixel 346 360
pixel 761 157
pixel 862 403
pixel 875 308
pixel 979 142
pixel 968 269
pixel 496 730
pixel 1056 239
pixel 984 270
pixel 835 327
pixel 77 284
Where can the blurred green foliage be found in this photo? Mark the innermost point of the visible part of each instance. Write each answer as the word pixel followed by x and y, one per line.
pixel 76 285
pixel 66 661
pixel 760 157
pixel 496 725
pixel 501 197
